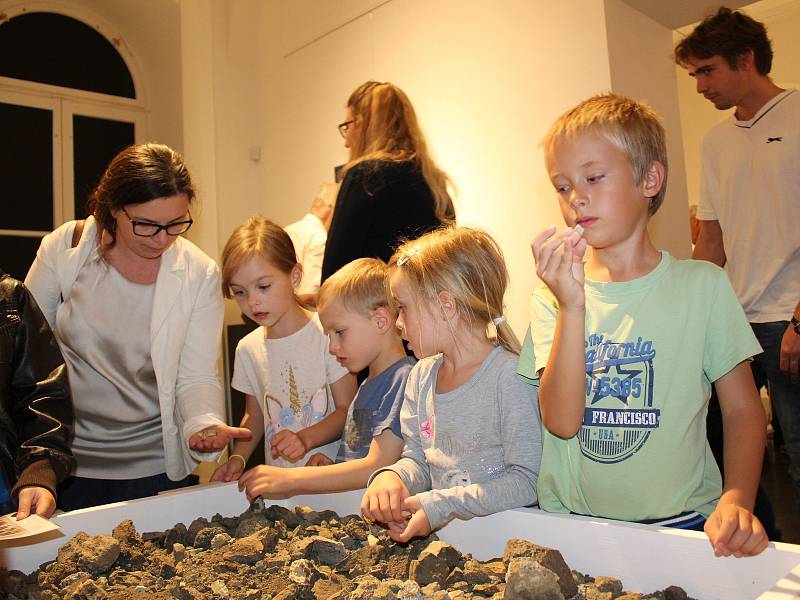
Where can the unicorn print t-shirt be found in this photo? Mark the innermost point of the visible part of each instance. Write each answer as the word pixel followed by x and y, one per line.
pixel 291 379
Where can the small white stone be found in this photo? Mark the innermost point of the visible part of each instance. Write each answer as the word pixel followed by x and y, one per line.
pixel 219 588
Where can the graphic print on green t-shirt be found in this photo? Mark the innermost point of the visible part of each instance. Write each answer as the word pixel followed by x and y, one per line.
pixel 619 415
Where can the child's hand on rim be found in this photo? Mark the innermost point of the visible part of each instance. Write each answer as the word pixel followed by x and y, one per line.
pixel 229 471
pixel 559 263
pixel 735 531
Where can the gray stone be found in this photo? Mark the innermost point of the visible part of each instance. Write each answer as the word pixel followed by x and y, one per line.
pixel 219 588
pixel 178 552
pixel 252 524
pixel 94 554
pixel 277 513
pixel 301 572
pixel 70 580
pixel 673 592
pixel 527 579
pixel 220 540
pixel 175 535
pixel 85 590
pixel 326 551
pixel 248 551
pixel 360 561
pixel 269 538
pixel 409 590
pixel 548 557
pixel 608 584
pixel 434 563
pixel 204 537
pixel 194 528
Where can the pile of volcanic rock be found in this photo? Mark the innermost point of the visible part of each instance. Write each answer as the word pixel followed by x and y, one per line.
pixel 278 554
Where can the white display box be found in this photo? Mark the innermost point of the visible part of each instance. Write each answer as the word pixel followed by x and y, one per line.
pixel 646 559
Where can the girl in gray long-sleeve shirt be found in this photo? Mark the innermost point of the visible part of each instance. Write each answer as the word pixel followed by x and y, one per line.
pixel 471 428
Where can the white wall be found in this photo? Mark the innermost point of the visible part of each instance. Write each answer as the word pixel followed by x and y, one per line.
pixel 151 30
pixel 698 115
pixel 227 79
pixel 647 74
pixel 486 80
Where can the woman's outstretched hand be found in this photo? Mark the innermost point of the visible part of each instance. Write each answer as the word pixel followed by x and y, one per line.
pixel 217 437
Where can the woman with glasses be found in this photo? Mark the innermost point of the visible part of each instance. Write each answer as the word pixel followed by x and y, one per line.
pixel 391 190
pixel 137 311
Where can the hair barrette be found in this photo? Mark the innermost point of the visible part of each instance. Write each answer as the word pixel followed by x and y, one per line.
pixel 407 256
pixel 499 320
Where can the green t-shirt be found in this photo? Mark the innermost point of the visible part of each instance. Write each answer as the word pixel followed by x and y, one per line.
pixel 653 347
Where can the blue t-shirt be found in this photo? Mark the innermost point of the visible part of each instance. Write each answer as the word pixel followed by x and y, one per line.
pixel 375 408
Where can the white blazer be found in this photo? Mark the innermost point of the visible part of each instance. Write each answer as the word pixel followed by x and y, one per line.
pixel 185 332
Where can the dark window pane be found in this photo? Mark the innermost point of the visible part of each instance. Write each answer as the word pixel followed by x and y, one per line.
pixel 17 254
pixel 26 167
pixel 95 143
pixel 59 50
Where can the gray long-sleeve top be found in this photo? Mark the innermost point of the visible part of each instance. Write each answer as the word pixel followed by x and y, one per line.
pixel 475 450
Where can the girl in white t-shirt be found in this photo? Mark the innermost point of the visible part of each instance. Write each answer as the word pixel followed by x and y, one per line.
pixel 297 395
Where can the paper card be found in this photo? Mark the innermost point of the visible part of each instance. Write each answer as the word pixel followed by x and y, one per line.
pixel 11 529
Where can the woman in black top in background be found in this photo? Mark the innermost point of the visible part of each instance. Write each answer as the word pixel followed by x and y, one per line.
pixel 391 190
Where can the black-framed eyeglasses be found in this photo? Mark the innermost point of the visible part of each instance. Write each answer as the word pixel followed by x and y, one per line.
pixel 145 229
pixel 344 127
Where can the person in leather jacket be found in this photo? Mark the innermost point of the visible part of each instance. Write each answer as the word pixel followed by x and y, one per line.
pixel 36 416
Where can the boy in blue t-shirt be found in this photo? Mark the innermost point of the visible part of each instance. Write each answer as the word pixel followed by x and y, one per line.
pixel 355 312
pixel 625 342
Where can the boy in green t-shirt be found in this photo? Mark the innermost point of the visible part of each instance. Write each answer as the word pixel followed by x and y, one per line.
pixel 625 342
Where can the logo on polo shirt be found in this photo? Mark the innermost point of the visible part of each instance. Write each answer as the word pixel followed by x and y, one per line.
pixel 774 139
pixel 619 415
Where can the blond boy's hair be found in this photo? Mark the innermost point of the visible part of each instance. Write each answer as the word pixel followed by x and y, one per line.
pixel 469 264
pixel 360 286
pixel 631 126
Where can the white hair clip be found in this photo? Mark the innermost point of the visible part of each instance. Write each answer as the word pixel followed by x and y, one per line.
pixel 499 320
pixel 406 257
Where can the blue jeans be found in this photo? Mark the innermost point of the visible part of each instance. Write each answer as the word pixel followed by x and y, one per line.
pixel 784 394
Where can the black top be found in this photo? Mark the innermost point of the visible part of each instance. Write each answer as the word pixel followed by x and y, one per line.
pixel 36 416
pixel 380 204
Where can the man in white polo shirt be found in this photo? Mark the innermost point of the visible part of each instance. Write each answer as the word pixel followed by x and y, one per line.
pixel 749 209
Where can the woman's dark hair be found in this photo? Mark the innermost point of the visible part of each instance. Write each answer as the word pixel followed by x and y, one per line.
pixel 138 174
pixel 728 34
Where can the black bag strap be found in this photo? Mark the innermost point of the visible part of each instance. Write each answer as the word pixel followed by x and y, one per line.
pixel 76 237
pixel 77 232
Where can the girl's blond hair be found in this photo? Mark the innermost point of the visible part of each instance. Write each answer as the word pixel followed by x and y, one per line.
pixel 256 237
pixel 387 130
pixel 469 264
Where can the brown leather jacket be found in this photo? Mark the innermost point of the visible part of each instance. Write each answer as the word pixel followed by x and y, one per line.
pixel 36 416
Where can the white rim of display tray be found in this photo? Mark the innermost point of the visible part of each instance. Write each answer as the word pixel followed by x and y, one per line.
pixel 645 558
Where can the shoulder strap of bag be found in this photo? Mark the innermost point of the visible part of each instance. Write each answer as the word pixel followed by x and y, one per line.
pixel 76 237
pixel 77 232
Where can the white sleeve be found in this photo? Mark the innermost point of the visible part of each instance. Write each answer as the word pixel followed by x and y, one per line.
pixel 42 278
pixel 198 389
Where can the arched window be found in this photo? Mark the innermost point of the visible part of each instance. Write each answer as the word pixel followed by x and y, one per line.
pixel 68 104
pixel 59 50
